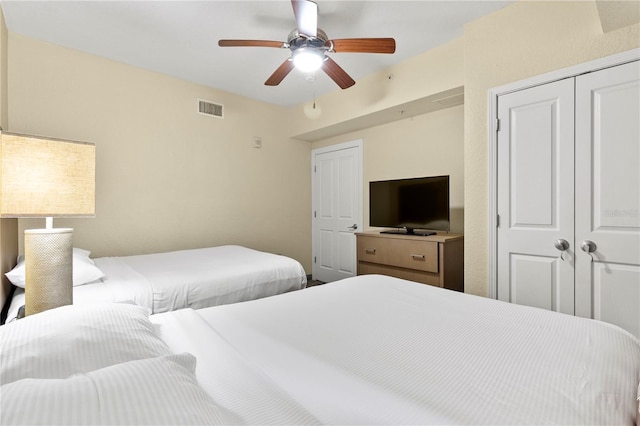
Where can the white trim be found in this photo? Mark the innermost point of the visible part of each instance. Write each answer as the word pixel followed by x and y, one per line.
pixel 493 197
pixel 492 105
pixel 357 143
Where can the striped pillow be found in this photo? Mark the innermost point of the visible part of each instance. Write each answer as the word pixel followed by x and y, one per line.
pixel 153 391
pixel 73 339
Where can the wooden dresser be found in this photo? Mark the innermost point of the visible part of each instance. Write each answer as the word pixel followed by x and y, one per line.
pixel 436 260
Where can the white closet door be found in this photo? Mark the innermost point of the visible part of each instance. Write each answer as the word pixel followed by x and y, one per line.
pixel 608 195
pixel 535 196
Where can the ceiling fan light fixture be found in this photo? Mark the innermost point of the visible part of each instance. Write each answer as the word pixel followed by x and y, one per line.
pixel 307 59
pixel 309 45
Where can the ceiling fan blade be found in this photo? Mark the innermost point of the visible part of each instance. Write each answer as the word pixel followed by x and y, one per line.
pixel 306 13
pixel 337 74
pixel 362 45
pixel 251 43
pixel 279 74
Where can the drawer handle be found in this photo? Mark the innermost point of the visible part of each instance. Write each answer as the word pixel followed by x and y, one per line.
pixel 417 256
pixel 370 251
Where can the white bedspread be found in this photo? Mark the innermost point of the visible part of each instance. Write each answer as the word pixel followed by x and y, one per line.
pixel 378 350
pixel 187 279
pixel 214 276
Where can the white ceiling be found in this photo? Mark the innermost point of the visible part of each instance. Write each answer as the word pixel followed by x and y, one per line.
pixel 179 38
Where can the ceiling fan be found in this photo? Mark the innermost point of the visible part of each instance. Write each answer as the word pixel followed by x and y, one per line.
pixel 309 46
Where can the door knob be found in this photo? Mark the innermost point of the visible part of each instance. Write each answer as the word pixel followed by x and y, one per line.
pixel 561 244
pixel 588 246
pixel 353 227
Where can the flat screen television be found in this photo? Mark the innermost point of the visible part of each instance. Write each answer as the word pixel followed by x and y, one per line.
pixel 417 206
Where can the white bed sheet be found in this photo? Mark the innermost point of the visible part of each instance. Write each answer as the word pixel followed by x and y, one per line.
pixel 194 278
pixel 378 350
pixel 215 276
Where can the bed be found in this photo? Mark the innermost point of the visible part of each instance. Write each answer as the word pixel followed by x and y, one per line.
pixel 364 350
pixel 168 281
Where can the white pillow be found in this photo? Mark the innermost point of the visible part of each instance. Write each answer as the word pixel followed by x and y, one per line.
pixel 154 391
pixel 84 270
pixel 72 339
pixel 81 252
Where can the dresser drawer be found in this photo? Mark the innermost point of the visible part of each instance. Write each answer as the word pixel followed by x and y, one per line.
pixel 402 253
pixel 423 277
pixel 436 259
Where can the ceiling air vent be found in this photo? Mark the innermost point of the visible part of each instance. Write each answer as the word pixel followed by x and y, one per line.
pixel 210 108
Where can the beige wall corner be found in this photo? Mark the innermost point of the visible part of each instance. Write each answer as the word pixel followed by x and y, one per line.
pixel 8 254
pixel 616 14
pixel 4 110
pixel 525 39
pixel 8 227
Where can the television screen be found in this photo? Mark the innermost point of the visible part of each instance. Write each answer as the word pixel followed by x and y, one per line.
pixel 411 204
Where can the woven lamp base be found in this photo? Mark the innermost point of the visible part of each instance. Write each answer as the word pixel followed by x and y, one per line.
pixel 48 259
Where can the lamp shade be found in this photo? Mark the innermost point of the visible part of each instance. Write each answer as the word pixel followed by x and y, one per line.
pixel 41 177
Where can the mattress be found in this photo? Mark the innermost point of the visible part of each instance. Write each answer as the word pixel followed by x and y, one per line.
pixel 379 350
pixel 194 279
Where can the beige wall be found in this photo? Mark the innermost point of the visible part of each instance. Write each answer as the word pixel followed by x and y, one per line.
pixel 4 39
pixel 425 145
pixel 167 177
pixel 8 227
pixel 429 73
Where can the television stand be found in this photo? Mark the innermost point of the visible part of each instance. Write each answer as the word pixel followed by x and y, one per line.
pixel 409 232
pixel 436 260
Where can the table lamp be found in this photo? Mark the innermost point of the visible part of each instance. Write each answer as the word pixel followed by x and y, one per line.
pixel 44 177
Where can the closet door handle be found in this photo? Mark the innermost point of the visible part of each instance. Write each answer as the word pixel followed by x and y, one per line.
pixel 588 246
pixel 561 244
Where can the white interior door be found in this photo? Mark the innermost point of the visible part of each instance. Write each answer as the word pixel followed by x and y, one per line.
pixel 337 210
pixel 535 197
pixel 608 195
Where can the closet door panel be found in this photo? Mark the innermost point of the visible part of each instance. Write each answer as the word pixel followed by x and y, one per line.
pixel 536 279
pixel 617 295
pixel 535 196
pixel 608 194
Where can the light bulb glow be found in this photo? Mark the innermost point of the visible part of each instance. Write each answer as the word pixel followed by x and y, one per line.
pixel 307 60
